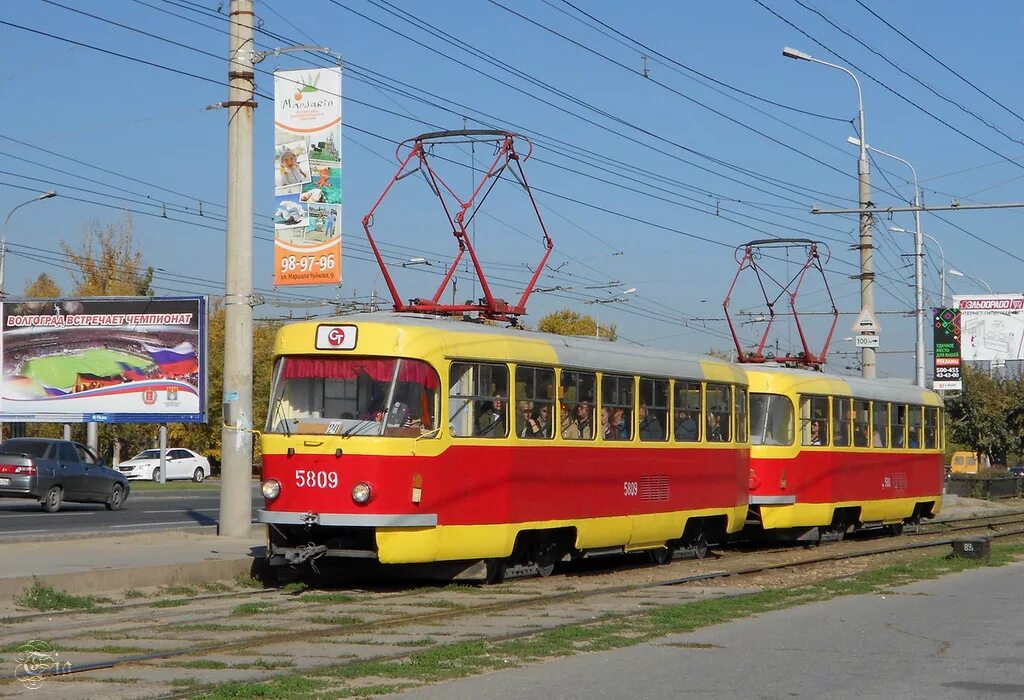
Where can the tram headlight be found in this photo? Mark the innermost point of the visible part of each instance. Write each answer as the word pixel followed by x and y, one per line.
pixel 271 489
pixel 361 492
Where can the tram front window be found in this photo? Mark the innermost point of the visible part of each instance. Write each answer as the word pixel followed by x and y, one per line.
pixel 771 419
pixel 354 396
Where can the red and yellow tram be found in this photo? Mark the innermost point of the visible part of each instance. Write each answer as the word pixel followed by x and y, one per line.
pixel 414 439
pixel 831 454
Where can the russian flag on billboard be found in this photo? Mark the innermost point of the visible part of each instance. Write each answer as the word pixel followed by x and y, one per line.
pixel 54 391
pixel 181 359
pixel 131 373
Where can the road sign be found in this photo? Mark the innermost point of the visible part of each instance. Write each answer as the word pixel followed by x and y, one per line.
pixel 866 323
pixel 866 341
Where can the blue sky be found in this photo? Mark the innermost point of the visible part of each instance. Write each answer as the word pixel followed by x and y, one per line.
pixel 644 183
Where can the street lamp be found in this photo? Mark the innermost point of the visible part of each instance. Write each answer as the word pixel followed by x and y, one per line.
pixel 942 256
pixel 867 265
pixel 3 238
pixel 957 273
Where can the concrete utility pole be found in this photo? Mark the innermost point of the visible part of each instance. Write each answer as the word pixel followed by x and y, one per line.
pixel 236 432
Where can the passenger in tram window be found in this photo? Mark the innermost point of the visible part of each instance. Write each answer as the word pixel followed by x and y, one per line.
pixel 686 427
pixel 584 421
pixel 912 441
pixel 620 423
pixel 650 428
pixel 491 418
pixel 608 430
pixel 524 418
pixel 569 429
pixel 877 440
pixel 815 439
pixel 543 422
pixel 714 428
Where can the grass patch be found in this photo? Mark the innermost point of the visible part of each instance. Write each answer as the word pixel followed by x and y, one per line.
pixel 254 608
pixel 214 587
pixel 116 650
pixel 247 581
pixel 41 597
pixel 15 647
pixel 328 598
pixel 134 594
pixel 207 485
pixel 461 659
pixel 178 590
pixel 214 627
pixel 294 588
pixel 200 663
pixel 335 620
pixel 440 604
pixel 172 603
pixel 267 664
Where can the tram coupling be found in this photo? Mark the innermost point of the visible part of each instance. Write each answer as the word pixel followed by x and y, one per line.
pixel 309 552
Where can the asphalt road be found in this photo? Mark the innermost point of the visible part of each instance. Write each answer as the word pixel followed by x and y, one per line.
pixel 166 507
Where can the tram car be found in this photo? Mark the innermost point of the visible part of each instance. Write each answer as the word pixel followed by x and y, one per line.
pixel 409 439
pixel 832 454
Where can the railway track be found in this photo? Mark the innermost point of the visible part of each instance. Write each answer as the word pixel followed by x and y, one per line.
pixel 169 643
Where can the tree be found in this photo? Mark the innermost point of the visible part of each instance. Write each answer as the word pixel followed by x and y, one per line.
pixel 108 263
pixel 42 287
pixel 987 417
pixel 568 322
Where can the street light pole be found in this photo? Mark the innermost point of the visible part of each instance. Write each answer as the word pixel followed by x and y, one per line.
pixel 918 263
pixel 3 238
pixel 867 263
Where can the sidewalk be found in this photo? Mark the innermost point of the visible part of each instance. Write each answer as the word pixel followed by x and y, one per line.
pixel 98 563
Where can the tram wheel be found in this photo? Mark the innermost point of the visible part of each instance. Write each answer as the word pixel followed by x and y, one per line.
pixel 660 555
pixel 495 570
pixel 547 555
pixel 700 546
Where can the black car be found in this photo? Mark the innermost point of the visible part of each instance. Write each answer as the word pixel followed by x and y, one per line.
pixel 54 471
pixel 1017 471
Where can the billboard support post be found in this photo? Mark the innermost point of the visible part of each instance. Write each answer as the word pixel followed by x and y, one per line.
pixel 67 431
pixel 92 437
pixel 163 453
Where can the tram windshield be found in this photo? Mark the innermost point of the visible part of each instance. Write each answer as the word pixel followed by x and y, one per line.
pixel 771 419
pixel 346 396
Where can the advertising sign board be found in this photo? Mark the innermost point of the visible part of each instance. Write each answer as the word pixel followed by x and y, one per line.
pixel 307 176
pixel 118 360
pixel 992 325
pixel 946 323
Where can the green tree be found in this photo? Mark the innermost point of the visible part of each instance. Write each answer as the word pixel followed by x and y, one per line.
pixel 568 322
pixel 987 417
pixel 42 287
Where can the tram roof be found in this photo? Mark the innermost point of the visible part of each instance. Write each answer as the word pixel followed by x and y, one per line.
pixel 810 381
pixel 462 339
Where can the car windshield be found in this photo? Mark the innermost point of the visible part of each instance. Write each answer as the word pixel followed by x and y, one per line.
pixel 354 396
pixel 33 448
pixel 148 454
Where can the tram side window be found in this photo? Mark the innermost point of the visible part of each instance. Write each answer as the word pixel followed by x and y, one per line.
pixel 880 421
pixel 861 423
pixel 535 400
pixel 478 400
pixel 931 427
pixel 577 399
pixel 741 414
pixel 653 416
pixel 814 420
pixel 719 419
pixel 616 407
pixel 842 421
pixel 771 419
pixel 898 425
pixel 914 435
pixel 688 411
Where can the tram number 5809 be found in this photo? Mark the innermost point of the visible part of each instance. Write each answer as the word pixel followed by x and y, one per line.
pixel 316 479
pixel 629 488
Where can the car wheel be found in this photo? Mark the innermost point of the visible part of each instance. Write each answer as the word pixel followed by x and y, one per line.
pixel 199 475
pixel 116 499
pixel 156 474
pixel 53 498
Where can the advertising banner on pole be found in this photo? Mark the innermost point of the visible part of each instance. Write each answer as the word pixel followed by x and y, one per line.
pixel 946 323
pixel 307 176
pixel 117 360
pixel 992 325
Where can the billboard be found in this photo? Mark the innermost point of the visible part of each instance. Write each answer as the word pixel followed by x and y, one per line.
pixel 946 325
pixel 992 326
pixel 307 176
pixel 119 360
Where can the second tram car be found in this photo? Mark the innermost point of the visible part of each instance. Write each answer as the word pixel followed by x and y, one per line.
pixel 832 454
pixel 414 439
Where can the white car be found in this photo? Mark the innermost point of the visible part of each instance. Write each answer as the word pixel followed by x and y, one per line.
pixel 181 464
